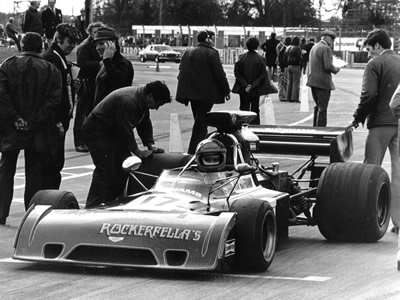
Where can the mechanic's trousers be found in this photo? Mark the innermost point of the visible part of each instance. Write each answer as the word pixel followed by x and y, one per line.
pixel 282 84
pixel 83 108
pixel 199 131
pixel 250 103
pixel 321 98
pixel 33 177
pixel 109 179
pixel 379 139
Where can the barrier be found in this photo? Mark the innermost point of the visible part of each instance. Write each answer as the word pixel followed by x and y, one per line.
pixel 304 92
pixel 175 134
pixel 267 115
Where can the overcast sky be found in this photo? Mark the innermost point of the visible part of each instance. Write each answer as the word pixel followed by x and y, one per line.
pixel 68 7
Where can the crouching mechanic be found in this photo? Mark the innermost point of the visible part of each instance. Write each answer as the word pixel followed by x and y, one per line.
pixel 108 133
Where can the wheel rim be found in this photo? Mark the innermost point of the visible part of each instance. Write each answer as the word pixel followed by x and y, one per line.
pixel 269 236
pixel 383 205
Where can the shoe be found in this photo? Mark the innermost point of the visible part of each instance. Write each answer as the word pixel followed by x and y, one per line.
pixel 296 101
pixel 3 221
pixel 395 230
pixel 283 100
pixel 82 148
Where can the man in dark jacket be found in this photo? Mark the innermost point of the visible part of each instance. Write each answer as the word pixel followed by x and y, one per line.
pixel 269 46
pixel 12 32
pixel 32 22
pixel 80 23
pixel 109 135
pixel 116 71
pixel 51 17
pixel 380 80
pixel 202 82
pixel 65 39
pixel 88 60
pixel 28 104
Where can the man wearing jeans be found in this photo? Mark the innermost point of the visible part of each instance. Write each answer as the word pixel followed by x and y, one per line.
pixel 380 80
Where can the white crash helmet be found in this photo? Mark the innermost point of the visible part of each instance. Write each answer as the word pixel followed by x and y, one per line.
pixel 210 155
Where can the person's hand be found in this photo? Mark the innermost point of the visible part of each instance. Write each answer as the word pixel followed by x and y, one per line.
pixel 110 49
pixel 352 125
pixel 144 153
pixel 337 70
pixel 61 130
pixel 155 149
pixel 21 124
pixel 248 87
pixel 228 97
pixel 77 84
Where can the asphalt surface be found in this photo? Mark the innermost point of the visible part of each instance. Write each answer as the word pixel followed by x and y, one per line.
pixel 305 265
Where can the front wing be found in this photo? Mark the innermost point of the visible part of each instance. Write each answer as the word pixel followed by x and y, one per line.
pixel 125 238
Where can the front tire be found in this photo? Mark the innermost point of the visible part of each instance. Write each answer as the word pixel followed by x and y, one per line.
pixel 255 235
pixel 353 202
pixel 57 199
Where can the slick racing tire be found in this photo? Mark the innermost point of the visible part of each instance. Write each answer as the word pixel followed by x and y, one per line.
pixel 57 199
pixel 142 58
pixel 255 235
pixel 353 202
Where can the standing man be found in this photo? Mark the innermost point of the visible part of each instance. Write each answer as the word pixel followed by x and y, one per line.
pixel 283 64
pixel 88 60
pixel 202 82
pixel 12 32
pixel 28 104
pixel 320 76
pixel 380 80
pixel 51 17
pixel 32 22
pixel 115 70
pixel 269 46
pixel 109 134
pixel 80 23
pixel 65 39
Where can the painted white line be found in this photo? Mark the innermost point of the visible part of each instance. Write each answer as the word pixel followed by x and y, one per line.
pixel 303 120
pixel 64 178
pixel 307 278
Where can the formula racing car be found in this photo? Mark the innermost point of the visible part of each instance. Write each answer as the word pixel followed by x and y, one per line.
pixel 220 207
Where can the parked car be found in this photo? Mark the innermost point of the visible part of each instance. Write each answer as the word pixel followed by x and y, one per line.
pixel 159 53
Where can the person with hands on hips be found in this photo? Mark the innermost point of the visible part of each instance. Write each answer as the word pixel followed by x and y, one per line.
pixel 108 133
pixel 115 70
pixel 380 80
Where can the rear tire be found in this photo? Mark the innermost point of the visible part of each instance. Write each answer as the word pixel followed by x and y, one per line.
pixel 57 199
pixel 255 235
pixel 353 202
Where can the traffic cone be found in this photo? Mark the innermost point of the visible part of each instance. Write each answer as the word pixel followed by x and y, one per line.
pixel 267 115
pixel 304 107
pixel 175 134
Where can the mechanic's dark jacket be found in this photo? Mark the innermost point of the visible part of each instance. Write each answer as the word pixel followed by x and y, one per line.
pixel 251 69
pixel 112 121
pixel 88 60
pixel 50 20
pixel 36 103
pixel 32 21
pixel 10 30
pixel 201 76
pixel 114 73
pixel 55 55
pixel 380 80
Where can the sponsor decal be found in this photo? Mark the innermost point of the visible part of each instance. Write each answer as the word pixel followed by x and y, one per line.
pixel 187 191
pixel 230 247
pixel 119 230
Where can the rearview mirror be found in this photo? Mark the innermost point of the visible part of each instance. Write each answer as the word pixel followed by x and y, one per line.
pixel 244 168
pixel 132 163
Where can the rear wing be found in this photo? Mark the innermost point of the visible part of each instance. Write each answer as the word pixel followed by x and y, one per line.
pixel 335 142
